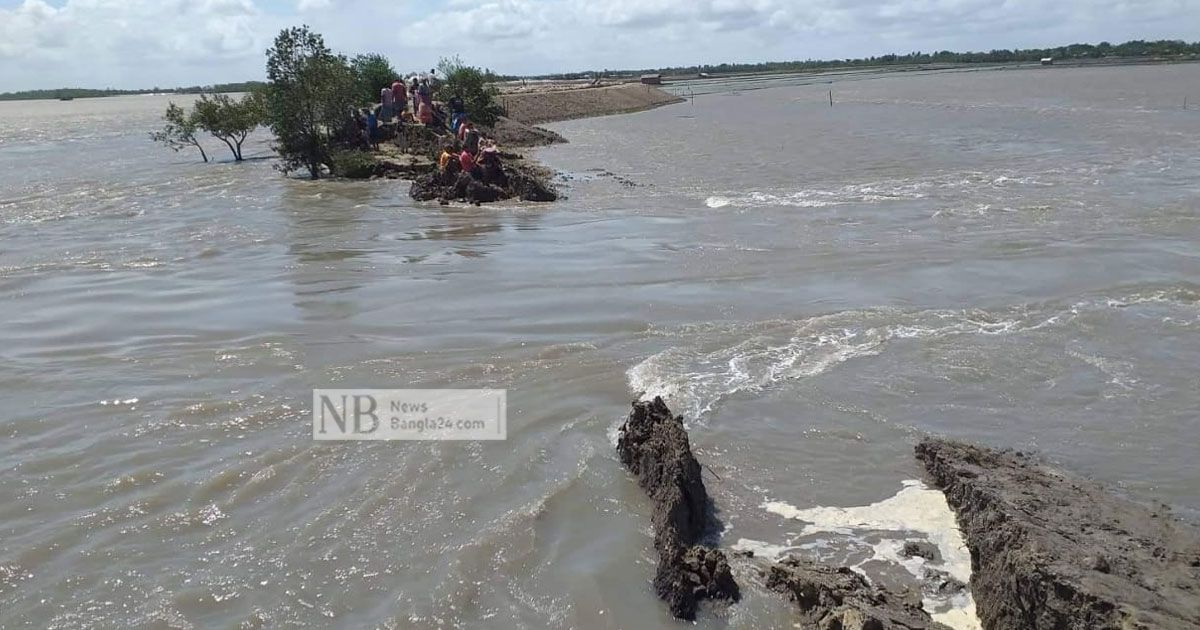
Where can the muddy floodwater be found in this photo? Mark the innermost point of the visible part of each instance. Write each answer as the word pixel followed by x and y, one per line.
pixel 1008 257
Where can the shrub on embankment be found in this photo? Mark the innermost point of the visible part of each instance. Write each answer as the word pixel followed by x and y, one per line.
pixel 310 97
pixel 475 88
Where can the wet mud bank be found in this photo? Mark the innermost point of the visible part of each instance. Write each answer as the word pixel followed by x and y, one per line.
pixel 516 179
pixel 842 599
pixel 654 446
pixel 410 152
pixel 1052 550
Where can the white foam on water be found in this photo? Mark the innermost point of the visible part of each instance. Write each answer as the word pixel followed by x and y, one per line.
pixel 717 360
pixel 915 509
pixel 762 549
pixel 694 379
pixel 900 189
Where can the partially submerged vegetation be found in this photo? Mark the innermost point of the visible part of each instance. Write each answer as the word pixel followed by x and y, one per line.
pixel 310 95
pixel 224 118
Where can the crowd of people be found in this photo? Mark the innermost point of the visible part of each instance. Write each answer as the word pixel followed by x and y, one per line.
pixel 469 152
pixel 395 99
pixel 410 103
pixel 464 149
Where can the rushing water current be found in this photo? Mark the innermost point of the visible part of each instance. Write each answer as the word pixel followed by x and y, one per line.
pixel 1008 257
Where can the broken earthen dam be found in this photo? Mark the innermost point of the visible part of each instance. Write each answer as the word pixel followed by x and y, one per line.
pixel 1048 550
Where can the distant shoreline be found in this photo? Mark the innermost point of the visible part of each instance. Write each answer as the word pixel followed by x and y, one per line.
pixel 543 85
pixel 926 67
pixel 70 94
pixel 511 89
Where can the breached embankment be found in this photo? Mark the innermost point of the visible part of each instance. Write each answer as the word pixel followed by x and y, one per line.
pixel 1051 550
pixel 1048 550
pixel 654 446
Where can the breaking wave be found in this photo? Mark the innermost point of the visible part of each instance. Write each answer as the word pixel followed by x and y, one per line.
pixel 707 367
pixel 880 191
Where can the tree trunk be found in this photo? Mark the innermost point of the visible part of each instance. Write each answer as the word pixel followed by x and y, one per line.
pixel 202 153
pixel 236 156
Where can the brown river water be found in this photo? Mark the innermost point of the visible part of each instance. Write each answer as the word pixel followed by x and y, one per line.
pixel 1008 257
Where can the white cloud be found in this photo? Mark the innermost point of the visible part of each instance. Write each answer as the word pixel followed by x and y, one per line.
pixel 489 21
pixel 313 5
pixel 131 43
pixel 95 42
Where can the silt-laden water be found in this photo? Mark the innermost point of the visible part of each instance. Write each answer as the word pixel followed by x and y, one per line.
pixel 1007 257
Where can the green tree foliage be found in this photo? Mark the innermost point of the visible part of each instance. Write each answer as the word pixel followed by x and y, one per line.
pixel 179 131
pixel 309 99
pixel 353 164
pixel 229 120
pixel 372 73
pixel 474 86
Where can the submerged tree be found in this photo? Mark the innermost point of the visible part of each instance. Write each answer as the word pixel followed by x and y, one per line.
pixel 309 99
pixel 372 73
pixel 229 120
pixel 475 88
pixel 179 131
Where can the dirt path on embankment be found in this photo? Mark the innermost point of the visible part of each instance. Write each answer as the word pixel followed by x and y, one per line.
pixel 538 107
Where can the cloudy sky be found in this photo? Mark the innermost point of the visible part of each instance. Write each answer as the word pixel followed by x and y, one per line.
pixel 144 43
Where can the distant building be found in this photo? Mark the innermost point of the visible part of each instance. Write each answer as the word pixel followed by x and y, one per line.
pixel 652 79
pixel 1047 61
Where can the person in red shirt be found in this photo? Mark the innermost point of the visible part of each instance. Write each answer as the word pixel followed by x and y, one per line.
pixel 467 161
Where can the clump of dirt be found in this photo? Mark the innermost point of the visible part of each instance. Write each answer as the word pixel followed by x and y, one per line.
pixel 842 599
pixel 516 179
